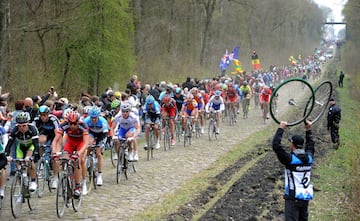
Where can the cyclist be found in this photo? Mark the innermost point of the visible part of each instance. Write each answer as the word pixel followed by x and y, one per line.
pixel 98 130
pixel 256 88
pixel 168 109
pixel 216 104
pixel 179 98
pixel 128 127
pixel 77 139
pixel 152 116
pixel 3 160
pixel 201 105
pixel 232 97
pixel 189 108
pixel 246 92
pixel 276 97
pixel 265 95
pixel 47 125
pixel 27 137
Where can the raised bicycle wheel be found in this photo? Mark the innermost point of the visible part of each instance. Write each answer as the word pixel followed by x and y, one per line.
pixel 323 93
pixel 17 197
pixel 292 101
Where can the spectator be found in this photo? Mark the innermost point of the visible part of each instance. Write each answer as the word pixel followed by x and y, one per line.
pixel 298 165
pixel 341 79
pixel 188 83
pixel 333 120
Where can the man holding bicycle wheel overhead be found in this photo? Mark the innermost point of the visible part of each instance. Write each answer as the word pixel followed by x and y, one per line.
pixel 298 164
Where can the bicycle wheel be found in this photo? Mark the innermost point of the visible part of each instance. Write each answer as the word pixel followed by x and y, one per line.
pixel 17 197
pixel 323 93
pixel 151 144
pixel 293 97
pixel 90 169
pixel 119 167
pixel 113 153
pixel 42 174
pixel 211 129
pixel 76 202
pixel 167 138
pixel 61 197
pixel 33 199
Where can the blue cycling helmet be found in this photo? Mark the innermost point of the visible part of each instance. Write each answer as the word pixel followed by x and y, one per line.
pixel 150 99
pixel 94 112
pixel 217 93
pixel 44 109
pixel 177 90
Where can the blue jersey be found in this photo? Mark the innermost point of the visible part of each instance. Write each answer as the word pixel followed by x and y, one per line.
pixel 101 125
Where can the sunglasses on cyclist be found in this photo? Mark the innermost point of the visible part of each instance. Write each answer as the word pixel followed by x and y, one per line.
pixel 73 123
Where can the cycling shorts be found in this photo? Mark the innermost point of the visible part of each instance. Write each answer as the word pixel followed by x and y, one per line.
pixel 216 107
pixel 232 99
pixel 264 98
pixel 187 112
pixel 22 149
pixel 72 145
pixel 122 132
pixel 99 138
pixel 170 110
pixel 199 106
pixel 149 120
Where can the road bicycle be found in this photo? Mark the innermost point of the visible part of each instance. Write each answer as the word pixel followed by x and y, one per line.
pixel 178 128
pixel 231 114
pixel 212 126
pixel 124 167
pixel 19 191
pixel 246 106
pixel 167 133
pixel 92 167
pixel 188 130
pixel 113 152
pixel 197 128
pixel 43 170
pixel 151 142
pixel 66 186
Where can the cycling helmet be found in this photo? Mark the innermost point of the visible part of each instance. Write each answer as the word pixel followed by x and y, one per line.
pixel 166 99
pixel 126 106
pixel 73 116
pixel 86 109
pixel 224 87
pixel 117 94
pixel 190 96
pixel 94 112
pixel 177 90
pixel 115 104
pixel 230 84
pixel 245 83
pixel 44 109
pixel 271 85
pixel 217 93
pixel 150 99
pixel 22 118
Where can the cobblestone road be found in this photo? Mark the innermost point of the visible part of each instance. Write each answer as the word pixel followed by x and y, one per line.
pixel 154 180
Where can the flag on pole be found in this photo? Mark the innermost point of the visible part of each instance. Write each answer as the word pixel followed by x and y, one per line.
pixel 255 61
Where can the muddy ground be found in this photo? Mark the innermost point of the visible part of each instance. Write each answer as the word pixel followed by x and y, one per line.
pixel 257 195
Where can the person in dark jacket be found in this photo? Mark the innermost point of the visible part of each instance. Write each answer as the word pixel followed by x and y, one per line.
pixel 333 120
pixel 341 79
pixel 298 164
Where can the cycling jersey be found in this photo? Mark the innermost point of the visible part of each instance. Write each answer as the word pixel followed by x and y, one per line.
pixel 179 101
pixel 27 141
pixel 265 95
pixel 190 105
pixel 169 108
pixel 125 124
pixel 152 114
pixel 98 129
pixel 216 104
pixel 245 90
pixel 199 99
pixel 47 128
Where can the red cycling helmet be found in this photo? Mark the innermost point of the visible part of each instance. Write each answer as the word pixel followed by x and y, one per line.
pixel 73 116
pixel 166 99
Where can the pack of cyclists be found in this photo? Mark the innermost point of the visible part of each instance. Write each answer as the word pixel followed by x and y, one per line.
pixel 58 126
